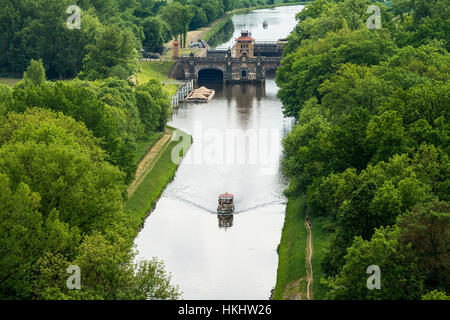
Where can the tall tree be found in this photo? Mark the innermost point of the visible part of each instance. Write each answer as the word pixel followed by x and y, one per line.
pixel 113 54
pixel 35 73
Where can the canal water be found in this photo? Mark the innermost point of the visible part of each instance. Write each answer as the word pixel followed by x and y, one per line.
pixel 236 149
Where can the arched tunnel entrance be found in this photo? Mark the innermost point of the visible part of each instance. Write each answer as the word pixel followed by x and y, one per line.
pixel 210 75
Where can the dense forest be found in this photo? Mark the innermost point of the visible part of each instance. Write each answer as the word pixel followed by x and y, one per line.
pixel 370 149
pixel 110 37
pixel 67 151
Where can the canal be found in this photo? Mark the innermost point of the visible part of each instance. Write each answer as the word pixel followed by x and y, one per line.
pixel 236 149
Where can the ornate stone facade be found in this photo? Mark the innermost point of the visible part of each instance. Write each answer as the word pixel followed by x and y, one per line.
pixel 240 69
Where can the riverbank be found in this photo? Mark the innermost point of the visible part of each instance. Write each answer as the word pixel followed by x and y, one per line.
pixel 149 160
pixel 291 272
pixel 144 144
pixel 158 171
pixel 158 70
pixel 293 261
pixel 155 168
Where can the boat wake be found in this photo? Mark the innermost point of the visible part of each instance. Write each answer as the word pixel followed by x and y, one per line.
pixel 192 203
pixel 262 205
pixel 209 210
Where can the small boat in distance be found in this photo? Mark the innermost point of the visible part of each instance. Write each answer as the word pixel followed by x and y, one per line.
pixel 226 205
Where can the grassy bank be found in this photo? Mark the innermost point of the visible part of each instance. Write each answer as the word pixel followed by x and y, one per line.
pixel 157 70
pixel 153 184
pixel 144 145
pixel 291 252
pixel 291 271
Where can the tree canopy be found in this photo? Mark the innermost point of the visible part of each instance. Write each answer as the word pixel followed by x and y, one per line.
pixel 370 148
pixel 111 33
pixel 61 204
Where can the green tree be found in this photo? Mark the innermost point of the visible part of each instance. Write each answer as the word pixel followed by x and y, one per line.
pixel 154 37
pixel 67 170
pixel 113 48
pixel 199 18
pixel 178 17
pixel 119 93
pixel 35 73
pixel 80 100
pixel 426 230
pixel 153 105
pixel 399 273
pixel 5 95
pixel 108 272
pixel 386 135
pixel 24 235
pixel 435 295
pixel 302 71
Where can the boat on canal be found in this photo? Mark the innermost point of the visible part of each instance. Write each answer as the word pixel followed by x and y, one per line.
pixel 226 203
pixel 200 95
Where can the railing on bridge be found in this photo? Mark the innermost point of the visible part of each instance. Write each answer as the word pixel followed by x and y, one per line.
pixel 200 59
pixel 266 43
pixel 222 59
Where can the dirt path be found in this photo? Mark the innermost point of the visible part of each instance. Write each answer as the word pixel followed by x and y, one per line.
pixel 309 269
pixel 301 288
pixel 149 161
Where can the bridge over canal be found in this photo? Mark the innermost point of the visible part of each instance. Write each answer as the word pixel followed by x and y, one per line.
pixel 226 68
pixel 247 61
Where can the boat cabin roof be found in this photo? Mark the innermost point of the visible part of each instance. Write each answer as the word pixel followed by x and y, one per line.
pixel 226 195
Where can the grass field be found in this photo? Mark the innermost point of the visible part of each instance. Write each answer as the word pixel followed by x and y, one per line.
pixel 10 82
pixel 148 192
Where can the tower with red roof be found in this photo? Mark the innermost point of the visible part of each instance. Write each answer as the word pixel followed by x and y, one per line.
pixel 245 45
